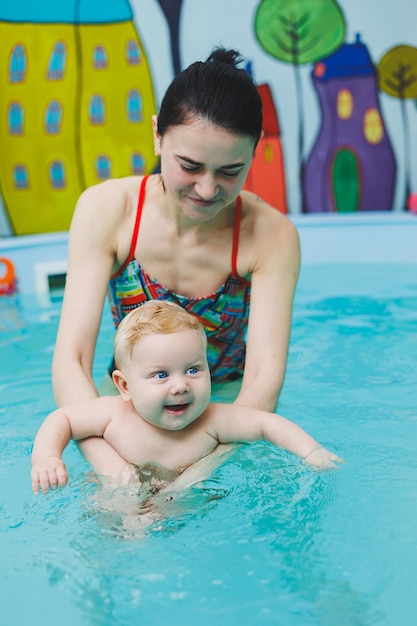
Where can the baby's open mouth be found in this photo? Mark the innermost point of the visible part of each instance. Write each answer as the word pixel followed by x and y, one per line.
pixel 177 408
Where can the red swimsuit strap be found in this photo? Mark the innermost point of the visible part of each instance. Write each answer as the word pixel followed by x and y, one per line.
pixel 236 229
pixel 137 221
pixel 236 233
pixel 131 255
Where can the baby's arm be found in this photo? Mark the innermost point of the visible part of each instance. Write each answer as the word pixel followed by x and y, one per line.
pixel 48 468
pixel 78 421
pixel 286 434
pixel 234 423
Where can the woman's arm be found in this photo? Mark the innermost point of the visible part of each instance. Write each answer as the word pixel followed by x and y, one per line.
pixel 274 279
pixel 91 257
pixel 93 246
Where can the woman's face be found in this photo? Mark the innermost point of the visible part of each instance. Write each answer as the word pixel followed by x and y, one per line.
pixel 203 166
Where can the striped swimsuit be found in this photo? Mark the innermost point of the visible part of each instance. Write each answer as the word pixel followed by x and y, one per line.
pixel 223 314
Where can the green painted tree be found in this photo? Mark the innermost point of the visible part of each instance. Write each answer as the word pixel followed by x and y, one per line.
pixel 299 32
pixel 397 76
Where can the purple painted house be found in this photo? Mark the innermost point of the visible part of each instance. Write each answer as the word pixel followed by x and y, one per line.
pixel 352 165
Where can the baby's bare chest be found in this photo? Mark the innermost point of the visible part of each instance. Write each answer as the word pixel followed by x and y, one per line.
pixel 140 443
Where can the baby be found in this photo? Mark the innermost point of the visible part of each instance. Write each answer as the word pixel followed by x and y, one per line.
pixel 163 417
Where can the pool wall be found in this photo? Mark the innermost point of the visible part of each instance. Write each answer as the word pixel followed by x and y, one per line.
pixel 378 237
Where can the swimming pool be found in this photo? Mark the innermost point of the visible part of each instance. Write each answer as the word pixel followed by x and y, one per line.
pixel 264 540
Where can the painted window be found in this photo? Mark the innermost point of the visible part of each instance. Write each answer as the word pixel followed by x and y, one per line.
pixel 373 128
pixel 53 118
pixel 134 106
pixel 320 69
pixel 103 167
pixel 97 111
pixel 57 61
pixel 346 181
pixel 18 64
pixel 344 104
pixel 57 175
pixel 137 163
pixel 16 118
pixel 268 151
pixel 100 58
pixel 20 177
pixel 133 56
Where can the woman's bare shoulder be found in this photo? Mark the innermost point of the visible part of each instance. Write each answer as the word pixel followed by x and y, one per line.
pixel 265 221
pixel 106 211
pixel 113 195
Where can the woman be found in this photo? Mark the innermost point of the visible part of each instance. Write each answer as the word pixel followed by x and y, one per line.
pixel 190 235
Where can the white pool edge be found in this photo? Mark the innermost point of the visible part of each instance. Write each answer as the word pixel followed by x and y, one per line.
pixel 377 237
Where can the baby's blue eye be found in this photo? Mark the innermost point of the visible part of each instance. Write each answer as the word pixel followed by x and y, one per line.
pixel 160 375
pixel 192 370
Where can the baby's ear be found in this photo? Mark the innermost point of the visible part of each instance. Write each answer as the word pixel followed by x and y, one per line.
pixel 121 384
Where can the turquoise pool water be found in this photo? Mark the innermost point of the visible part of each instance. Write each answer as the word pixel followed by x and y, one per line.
pixel 264 540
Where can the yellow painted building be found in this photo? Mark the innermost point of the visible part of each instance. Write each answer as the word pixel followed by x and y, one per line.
pixel 75 108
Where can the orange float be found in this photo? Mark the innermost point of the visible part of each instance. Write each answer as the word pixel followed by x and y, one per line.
pixel 412 203
pixel 8 278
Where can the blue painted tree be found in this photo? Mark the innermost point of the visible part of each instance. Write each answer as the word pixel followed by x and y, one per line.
pixel 172 12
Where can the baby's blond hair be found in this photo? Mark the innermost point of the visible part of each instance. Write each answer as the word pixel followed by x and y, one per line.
pixel 155 317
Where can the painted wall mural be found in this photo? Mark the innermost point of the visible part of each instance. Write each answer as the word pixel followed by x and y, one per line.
pixel 266 176
pixel 397 71
pixel 77 99
pixel 352 165
pixel 299 33
pixel 77 92
pixel 172 12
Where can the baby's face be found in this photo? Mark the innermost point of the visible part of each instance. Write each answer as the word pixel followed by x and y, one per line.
pixel 169 379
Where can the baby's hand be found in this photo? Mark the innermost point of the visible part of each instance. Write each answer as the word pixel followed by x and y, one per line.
pixel 48 472
pixel 322 459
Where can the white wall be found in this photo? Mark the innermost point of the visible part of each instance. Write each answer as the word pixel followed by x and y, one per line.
pixel 370 238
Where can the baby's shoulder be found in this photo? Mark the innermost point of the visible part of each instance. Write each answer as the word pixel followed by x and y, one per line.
pixel 114 406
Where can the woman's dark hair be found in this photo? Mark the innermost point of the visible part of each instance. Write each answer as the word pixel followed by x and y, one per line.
pixel 215 90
